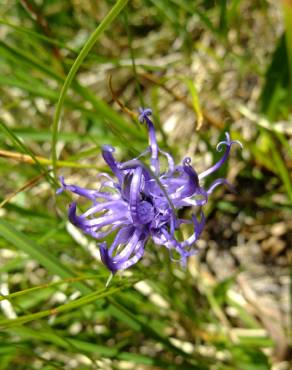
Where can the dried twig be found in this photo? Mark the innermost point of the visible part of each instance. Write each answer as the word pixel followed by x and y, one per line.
pixel 26 186
pixel 118 101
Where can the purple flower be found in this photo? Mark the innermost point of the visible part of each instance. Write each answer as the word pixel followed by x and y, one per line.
pixel 142 203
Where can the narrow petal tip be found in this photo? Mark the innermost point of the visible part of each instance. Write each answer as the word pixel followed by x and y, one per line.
pixel 144 113
pixel 59 191
pixel 108 148
pixel 63 187
pixel 72 213
pixel 228 142
pixel 104 255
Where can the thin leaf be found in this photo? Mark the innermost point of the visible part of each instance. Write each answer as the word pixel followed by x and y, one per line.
pixel 85 300
pixel 195 101
pixel 117 8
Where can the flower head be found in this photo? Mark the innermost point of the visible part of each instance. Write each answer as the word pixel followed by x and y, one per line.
pixel 142 203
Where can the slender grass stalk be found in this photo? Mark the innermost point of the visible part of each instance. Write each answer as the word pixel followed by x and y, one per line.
pixel 287 10
pixel 25 158
pixel 29 154
pixel 282 169
pixel 195 102
pixel 37 35
pixel 49 261
pixel 48 285
pixel 130 41
pixel 89 298
pixel 114 12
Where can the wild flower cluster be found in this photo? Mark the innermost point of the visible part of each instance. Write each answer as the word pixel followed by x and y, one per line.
pixel 143 203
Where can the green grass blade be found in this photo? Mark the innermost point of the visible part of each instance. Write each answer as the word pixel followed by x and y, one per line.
pixel 223 18
pixel 18 55
pixel 40 166
pixel 287 10
pixel 195 101
pixel 23 243
pixel 282 169
pixel 46 286
pixel 37 35
pixel 117 8
pixel 76 345
pixel 20 145
pixel 85 300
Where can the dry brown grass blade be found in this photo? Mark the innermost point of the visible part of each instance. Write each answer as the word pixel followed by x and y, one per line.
pixel 118 101
pixel 270 318
pixel 22 157
pixel 210 118
pixel 26 186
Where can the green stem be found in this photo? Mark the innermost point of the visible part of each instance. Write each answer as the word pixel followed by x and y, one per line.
pixel 130 41
pixel 287 11
pixel 114 12
pixel 87 299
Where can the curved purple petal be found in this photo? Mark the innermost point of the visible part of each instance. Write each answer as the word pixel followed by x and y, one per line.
pixel 130 254
pixel 217 183
pixel 192 185
pixel 122 237
pixel 128 249
pixel 114 205
pixel 135 196
pixel 87 193
pixel 170 160
pixel 115 266
pixel 73 218
pixel 103 220
pixel 102 234
pixel 138 254
pixel 217 165
pixel 144 117
pixel 198 228
pixel 95 223
pixel 133 164
pixel 107 151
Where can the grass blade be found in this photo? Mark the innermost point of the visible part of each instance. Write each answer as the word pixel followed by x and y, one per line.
pixel 88 298
pixel 287 10
pixel 195 102
pixel 46 259
pixel 117 8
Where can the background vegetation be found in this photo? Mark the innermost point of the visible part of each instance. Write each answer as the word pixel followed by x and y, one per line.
pixel 204 67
